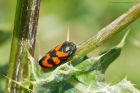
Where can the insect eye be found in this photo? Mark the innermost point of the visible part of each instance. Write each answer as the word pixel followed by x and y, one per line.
pixel 67 49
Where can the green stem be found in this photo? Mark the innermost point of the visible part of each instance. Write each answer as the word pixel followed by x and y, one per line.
pixel 110 30
pixel 24 33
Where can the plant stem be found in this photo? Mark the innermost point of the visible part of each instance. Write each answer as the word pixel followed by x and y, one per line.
pixel 24 36
pixel 110 30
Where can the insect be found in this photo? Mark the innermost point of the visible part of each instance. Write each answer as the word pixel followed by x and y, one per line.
pixel 58 55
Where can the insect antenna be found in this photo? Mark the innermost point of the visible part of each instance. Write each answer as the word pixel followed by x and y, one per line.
pixel 68 33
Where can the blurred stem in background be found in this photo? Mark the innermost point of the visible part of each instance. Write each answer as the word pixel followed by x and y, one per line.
pixel 24 34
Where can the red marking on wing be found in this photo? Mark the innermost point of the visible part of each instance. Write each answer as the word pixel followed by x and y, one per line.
pixel 56 60
pixel 45 63
pixel 61 54
pixel 47 56
pixel 57 47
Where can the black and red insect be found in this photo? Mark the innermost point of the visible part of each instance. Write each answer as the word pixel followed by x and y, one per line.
pixel 58 55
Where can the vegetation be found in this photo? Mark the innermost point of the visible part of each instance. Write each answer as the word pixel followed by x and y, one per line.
pixel 24 75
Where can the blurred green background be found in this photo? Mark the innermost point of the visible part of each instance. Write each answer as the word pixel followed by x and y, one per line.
pixel 85 18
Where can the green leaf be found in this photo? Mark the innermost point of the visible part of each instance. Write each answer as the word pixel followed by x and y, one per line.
pixel 91 69
pixel 110 55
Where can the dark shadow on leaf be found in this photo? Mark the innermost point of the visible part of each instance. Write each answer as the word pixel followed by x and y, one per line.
pixel 4 36
pixel 3 69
